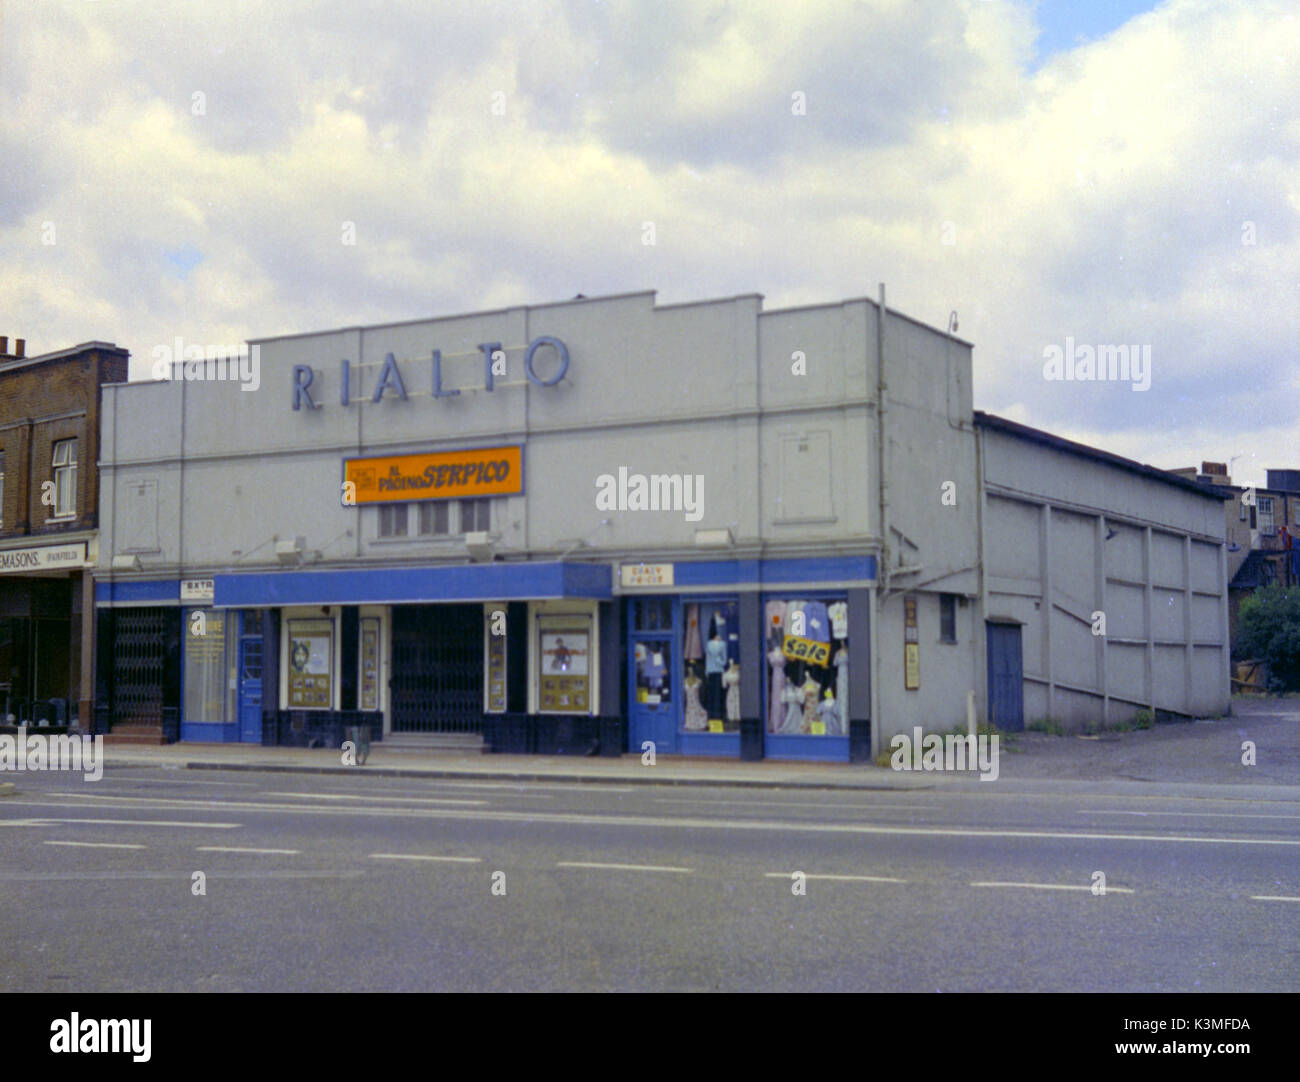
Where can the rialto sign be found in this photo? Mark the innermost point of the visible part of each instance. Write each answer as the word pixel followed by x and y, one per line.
pixel 391 383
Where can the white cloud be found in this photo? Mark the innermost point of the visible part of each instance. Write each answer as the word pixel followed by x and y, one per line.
pixel 1103 196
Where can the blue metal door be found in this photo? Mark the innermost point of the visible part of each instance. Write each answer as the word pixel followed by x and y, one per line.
pixel 250 678
pixel 1006 708
pixel 653 709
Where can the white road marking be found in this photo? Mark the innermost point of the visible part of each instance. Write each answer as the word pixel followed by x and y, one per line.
pixel 1056 886
pixel 241 849
pixel 1209 815
pixel 424 856
pixel 41 877
pixel 97 845
pixel 1273 898
pixel 621 867
pixel 367 796
pixel 844 878
pixel 178 781
pixel 802 804
pixel 539 817
pixel 45 821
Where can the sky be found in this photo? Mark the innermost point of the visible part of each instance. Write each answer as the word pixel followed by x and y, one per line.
pixel 1066 177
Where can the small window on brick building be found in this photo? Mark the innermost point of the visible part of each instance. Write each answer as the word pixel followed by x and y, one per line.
pixel 947 617
pixel 64 463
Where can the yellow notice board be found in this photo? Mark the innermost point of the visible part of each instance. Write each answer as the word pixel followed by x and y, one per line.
pixel 438 475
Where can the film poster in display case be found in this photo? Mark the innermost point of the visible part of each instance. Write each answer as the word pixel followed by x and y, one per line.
pixel 368 699
pixel 311 648
pixel 495 655
pixel 564 677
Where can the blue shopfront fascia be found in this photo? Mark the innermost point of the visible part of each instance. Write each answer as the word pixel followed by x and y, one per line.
pixel 491 582
pixel 390 375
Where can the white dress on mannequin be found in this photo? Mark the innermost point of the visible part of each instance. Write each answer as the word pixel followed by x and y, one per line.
pixel 731 681
pixel 842 688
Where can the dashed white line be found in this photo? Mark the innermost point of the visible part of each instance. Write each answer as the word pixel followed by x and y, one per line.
pixel 378 796
pixel 98 845
pixel 1207 815
pixel 842 878
pixel 243 849
pixel 621 867
pixel 424 856
pixel 1273 898
pixel 43 821
pixel 802 804
pixel 1057 886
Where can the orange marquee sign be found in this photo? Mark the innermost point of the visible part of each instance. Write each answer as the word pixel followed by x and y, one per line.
pixel 440 475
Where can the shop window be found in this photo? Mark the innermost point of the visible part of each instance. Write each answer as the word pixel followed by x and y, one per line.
pixel 807 667
pixel 475 516
pixel 434 518
pixel 652 614
pixel 64 462
pixel 311 664
pixel 947 617
pixel 392 520
pixel 711 659
pixel 207 653
pixel 2 488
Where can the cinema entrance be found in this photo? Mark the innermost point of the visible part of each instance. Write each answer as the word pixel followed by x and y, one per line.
pixel 437 673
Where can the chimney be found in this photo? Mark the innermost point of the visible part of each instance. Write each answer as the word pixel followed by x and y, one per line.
pixel 4 344
pixel 20 347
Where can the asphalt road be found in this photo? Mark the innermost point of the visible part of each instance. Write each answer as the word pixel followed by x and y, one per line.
pixel 325 883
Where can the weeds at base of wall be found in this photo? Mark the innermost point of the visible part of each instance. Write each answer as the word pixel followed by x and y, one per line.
pixel 1046 724
pixel 1006 741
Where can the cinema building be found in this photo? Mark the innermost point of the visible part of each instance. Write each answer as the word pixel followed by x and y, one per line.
pixel 582 526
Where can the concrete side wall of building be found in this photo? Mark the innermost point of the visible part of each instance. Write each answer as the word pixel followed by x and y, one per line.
pixel 1076 547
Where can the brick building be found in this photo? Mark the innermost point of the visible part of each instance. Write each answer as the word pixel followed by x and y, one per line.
pixel 49 497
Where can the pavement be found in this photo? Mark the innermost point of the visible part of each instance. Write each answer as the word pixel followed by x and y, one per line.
pixel 1193 759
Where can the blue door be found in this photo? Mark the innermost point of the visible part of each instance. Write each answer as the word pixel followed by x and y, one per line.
pixel 653 709
pixel 1006 707
pixel 250 678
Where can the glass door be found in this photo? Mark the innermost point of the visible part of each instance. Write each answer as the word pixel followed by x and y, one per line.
pixel 653 711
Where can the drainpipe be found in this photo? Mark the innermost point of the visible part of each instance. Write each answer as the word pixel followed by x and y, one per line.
pixel 883 480
pixel 882 568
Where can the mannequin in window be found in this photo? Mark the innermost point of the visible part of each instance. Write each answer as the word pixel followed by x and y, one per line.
pixel 793 707
pixel 731 680
pixel 829 713
pixel 715 663
pixel 776 698
pixel 842 685
pixel 811 694
pixel 693 650
pixel 696 718
pixel 776 661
